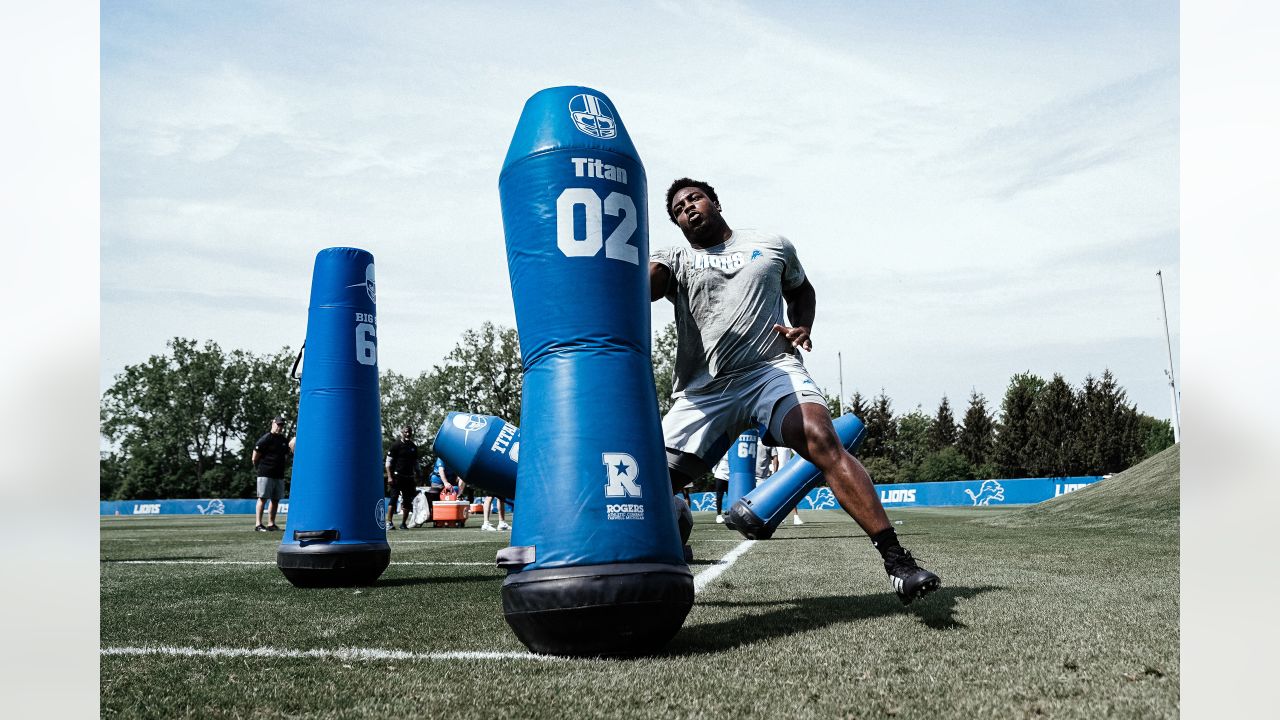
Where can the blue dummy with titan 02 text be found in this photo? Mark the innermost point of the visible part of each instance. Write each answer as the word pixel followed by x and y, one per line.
pixel 596 565
pixel 336 534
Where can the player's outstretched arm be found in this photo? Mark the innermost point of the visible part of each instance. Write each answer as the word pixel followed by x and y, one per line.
pixel 659 281
pixel 802 306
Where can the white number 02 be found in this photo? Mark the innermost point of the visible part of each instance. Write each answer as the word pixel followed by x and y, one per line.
pixel 366 348
pixel 617 246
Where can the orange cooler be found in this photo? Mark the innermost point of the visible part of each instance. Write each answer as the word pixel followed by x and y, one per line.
pixel 450 513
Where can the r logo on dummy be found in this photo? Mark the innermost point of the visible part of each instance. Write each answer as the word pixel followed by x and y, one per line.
pixel 623 471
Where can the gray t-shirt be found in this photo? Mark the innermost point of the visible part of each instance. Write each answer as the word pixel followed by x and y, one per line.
pixel 727 300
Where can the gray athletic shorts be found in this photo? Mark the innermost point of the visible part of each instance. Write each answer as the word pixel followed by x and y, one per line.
pixel 700 427
pixel 270 488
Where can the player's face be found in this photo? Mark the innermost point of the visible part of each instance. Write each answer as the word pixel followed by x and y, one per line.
pixel 693 210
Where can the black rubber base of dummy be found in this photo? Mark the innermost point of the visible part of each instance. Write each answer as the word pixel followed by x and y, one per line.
pixel 320 565
pixel 741 518
pixel 620 609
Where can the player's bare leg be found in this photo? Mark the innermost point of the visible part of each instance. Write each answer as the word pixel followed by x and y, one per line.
pixel 807 429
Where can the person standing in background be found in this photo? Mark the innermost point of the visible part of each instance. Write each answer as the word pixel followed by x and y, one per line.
pixel 502 513
pixel 721 474
pixel 402 476
pixel 270 460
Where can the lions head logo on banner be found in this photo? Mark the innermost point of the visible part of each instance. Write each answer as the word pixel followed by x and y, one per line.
pixel 990 491
pixel 593 116
pixel 368 282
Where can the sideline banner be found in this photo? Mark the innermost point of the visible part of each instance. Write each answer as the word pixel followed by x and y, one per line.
pixel 965 493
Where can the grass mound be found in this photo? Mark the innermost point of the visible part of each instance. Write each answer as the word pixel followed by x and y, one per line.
pixel 1142 498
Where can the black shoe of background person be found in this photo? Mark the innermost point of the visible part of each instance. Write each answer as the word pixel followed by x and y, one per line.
pixel 273 527
pixel 259 528
pixel 909 580
pixel 404 526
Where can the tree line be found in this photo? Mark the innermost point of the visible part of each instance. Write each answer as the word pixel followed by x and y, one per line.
pixel 184 423
pixel 1043 429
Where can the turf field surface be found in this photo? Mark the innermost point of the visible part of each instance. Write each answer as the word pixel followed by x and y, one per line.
pixel 1038 617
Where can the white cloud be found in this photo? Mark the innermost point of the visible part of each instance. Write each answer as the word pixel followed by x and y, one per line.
pixel 944 192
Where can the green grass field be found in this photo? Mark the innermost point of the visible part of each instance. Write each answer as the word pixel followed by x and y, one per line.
pixel 1042 615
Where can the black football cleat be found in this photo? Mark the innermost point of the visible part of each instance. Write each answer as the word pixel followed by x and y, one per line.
pixel 908 579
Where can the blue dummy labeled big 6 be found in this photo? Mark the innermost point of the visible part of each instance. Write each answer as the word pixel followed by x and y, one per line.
pixel 596 563
pixel 483 449
pixel 336 534
pixel 742 466
pixel 758 514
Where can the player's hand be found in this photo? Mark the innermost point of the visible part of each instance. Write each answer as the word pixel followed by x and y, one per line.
pixel 797 336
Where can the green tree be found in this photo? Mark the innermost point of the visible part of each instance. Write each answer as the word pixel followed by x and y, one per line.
pixel 1108 426
pixel 1053 448
pixel 483 374
pixel 943 465
pixel 881 429
pixel 183 424
pixel 977 436
pixel 833 403
pixel 110 474
pixel 882 470
pixel 405 401
pixel 663 354
pixel 1154 435
pixel 1014 428
pixel 858 405
pixel 911 445
pixel 942 433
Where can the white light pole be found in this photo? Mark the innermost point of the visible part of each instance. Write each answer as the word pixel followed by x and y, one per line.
pixel 1173 388
pixel 840 362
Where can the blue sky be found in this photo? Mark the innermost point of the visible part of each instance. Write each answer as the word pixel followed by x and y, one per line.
pixel 975 190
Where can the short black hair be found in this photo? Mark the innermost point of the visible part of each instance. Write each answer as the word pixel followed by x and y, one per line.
pixel 683 183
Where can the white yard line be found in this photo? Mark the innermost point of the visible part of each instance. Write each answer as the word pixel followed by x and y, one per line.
pixel 704 578
pixel 396 541
pixel 338 654
pixel 265 562
pixel 449 542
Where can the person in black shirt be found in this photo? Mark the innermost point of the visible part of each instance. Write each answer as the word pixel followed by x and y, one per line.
pixel 402 476
pixel 271 458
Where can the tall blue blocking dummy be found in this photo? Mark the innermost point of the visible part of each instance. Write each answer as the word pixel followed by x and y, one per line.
pixel 742 466
pixel 758 514
pixel 596 565
pixel 337 512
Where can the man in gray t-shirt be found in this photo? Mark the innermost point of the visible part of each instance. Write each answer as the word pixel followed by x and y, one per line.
pixel 749 272
pixel 738 363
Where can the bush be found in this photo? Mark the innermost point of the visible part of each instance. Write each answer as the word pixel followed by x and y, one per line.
pixel 946 464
